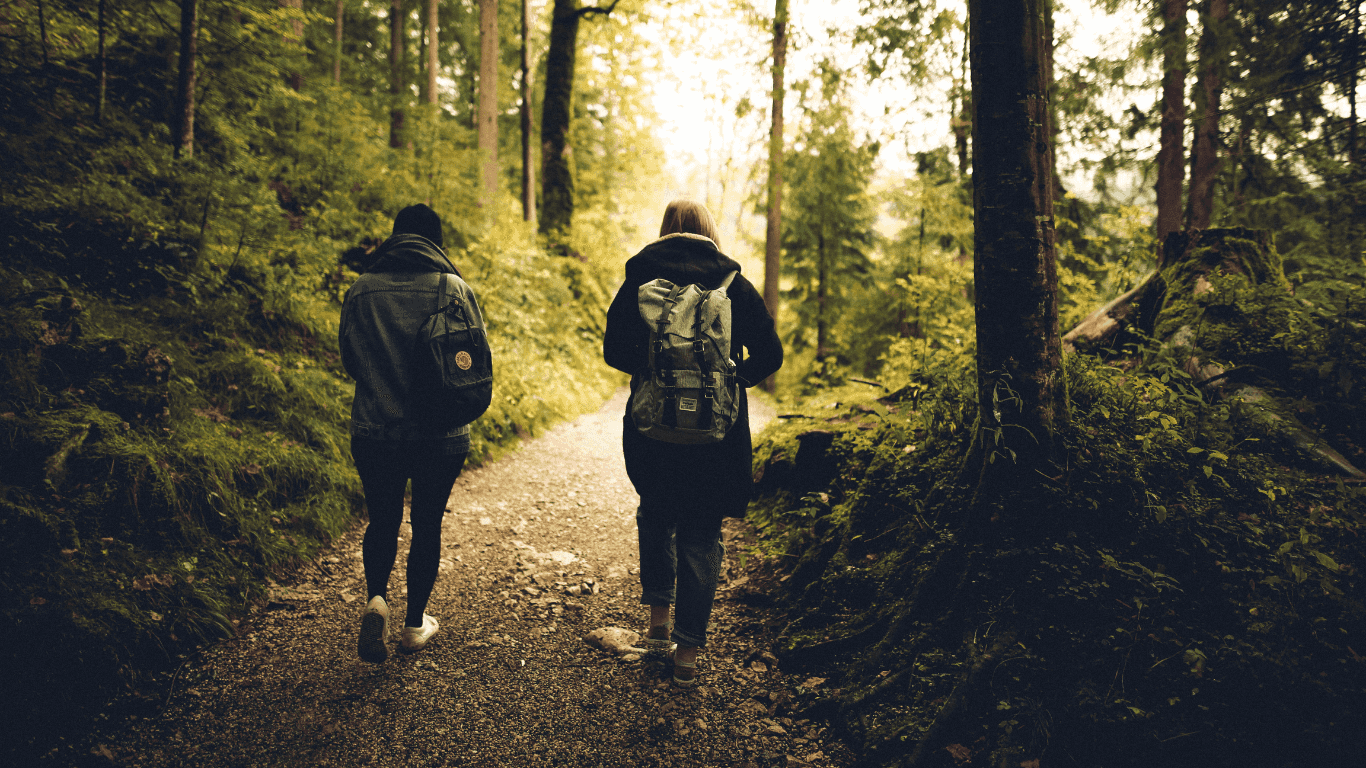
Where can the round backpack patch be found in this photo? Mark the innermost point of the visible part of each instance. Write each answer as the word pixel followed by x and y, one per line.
pixel 463 360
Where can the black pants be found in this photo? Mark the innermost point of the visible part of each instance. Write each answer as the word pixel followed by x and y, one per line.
pixel 385 468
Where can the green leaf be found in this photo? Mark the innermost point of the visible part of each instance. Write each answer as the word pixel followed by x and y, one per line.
pixel 1325 561
pixel 1193 449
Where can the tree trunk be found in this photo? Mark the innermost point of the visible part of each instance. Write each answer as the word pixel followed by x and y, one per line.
pixel 488 101
pixel 557 171
pixel 396 91
pixel 184 119
pixel 337 42
pixel 1171 167
pixel 1161 308
pixel 821 322
pixel 104 71
pixel 433 49
pixel 1354 61
pixel 1205 147
pixel 773 234
pixel 528 170
pixel 557 176
pixel 962 118
pixel 294 37
pixel 1022 395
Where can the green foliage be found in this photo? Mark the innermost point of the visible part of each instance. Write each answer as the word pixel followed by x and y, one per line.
pixel 173 414
pixel 828 217
pixel 1181 555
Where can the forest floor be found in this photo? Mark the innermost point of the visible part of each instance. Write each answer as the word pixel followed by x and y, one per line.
pixel 539 550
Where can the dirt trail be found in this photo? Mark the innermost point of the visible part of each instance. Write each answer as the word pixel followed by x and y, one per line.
pixel 539 549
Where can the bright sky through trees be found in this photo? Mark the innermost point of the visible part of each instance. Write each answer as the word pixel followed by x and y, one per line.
pixel 718 59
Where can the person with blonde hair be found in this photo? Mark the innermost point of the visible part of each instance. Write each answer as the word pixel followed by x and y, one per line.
pixel 686 490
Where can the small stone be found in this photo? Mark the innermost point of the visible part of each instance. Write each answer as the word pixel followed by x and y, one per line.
pixel 486 521
pixel 631 657
pixel 775 730
pixel 758 666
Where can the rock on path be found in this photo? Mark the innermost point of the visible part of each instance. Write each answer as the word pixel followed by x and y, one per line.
pixel 539 549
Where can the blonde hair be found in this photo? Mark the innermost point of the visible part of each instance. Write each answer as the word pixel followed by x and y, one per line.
pixel 690 217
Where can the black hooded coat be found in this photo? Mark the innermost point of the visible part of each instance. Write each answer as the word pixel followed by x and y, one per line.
pixel 714 478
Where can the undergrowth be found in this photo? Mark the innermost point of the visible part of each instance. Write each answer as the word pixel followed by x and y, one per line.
pixel 173 411
pixel 1183 584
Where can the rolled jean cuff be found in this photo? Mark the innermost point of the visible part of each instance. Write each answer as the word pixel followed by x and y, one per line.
pixel 688 641
pixel 658 597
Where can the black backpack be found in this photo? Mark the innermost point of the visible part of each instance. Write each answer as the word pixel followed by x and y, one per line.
pixel 460 377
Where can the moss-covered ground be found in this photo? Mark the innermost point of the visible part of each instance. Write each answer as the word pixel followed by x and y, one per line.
pixel 1185 591
pixel 173 434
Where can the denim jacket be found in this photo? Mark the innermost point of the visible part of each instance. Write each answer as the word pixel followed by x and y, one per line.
pixel 380 319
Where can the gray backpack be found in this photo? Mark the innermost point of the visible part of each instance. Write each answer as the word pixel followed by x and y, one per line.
pixel 691 395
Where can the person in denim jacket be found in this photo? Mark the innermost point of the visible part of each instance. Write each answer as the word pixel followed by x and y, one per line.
pixel 398 435
pixel 686 490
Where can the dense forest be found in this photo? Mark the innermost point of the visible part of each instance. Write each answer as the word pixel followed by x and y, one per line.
pixel 1067 468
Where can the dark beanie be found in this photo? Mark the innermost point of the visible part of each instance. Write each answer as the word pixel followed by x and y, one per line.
pixel 419 220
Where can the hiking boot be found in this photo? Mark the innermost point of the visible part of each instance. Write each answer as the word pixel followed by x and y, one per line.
pixel 415 638
pixel 374 630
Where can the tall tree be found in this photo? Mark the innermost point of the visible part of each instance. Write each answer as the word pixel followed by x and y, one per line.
pixel 524 112
pixel 1208 91
pixel 961 122
pixel 397 41
pixel 773 235
pixel 1021 392
pixel 337 43
pixel 828 225
pixel 1171 166
pixel 488 101
pixel 1354 68
pixel 557 174
pixel 183 134
pixel 433 49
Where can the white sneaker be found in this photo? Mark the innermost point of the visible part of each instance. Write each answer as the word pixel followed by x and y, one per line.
pixel 374 630
pixel 415 638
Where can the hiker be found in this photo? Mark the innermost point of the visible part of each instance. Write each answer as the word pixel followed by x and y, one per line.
pixel 401 431
pixel 687 489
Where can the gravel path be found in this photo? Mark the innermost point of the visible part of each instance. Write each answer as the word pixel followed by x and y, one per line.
pixel 539 550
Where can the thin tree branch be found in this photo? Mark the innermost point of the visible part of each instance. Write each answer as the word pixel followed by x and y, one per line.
pixel 594 9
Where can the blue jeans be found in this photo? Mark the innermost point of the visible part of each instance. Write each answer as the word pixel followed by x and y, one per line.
pixel 680 557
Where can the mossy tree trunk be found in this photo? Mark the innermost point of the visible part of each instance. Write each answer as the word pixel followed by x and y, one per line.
pixel 528 170
pixel 185 82
pixel 1208 93
pixel 557 172
pixel 1022 397
pixel 1171 166
pixel 773 232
